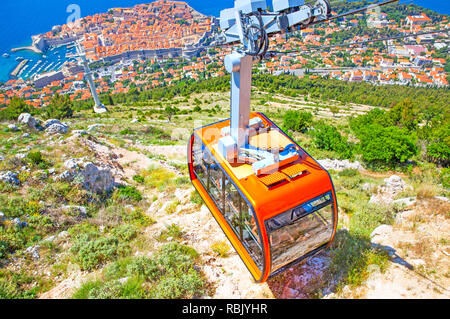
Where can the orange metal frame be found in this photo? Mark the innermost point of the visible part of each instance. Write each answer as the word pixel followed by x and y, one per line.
pixel 264 202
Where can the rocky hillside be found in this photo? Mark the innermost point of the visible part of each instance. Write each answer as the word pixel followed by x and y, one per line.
pixel 101 206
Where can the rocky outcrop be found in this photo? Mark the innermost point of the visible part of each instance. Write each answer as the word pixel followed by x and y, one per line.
pixel 10 178
pixel 97 180
pixel 338 165
pixel 93 178
pixel 386 193
pixel 33 251
pixel 27 119
pixel 49 123
pixel 57 128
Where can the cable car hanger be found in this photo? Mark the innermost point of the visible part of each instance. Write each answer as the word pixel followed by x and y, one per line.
pixel 274 202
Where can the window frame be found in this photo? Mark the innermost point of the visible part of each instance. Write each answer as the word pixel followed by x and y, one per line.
pixel 261 262
pixel 329 204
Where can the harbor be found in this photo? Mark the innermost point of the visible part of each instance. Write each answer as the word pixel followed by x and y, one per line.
pixel 52 60
pixel 18 69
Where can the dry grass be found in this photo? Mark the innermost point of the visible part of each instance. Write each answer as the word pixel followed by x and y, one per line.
pixel 426 191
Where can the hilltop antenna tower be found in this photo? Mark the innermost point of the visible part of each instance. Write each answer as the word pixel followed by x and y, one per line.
pixel 98 107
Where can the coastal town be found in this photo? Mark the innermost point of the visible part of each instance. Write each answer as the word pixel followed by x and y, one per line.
pixel 158 44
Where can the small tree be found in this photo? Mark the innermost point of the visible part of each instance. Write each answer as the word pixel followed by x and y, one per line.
pixel 328 138
pixel 16 107
pixel 387 146
pixel 60 107
pixel 297 121
pixel 170 112
pixel 439 152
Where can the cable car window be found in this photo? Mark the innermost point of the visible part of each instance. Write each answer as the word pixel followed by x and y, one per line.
pixel 233 204
pixel 250 235
pixel 201 162
pixel 300 230
pixel 228 200
pixel 215 184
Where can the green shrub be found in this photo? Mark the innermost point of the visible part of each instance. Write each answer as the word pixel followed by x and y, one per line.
pixel 125 232
pixel 349 173
pixel 439 152
pixel 387 146
pixel 99 290
pixel 92 253
pixel 173 231
pixel 139 179
pixel 351 257
pixel 129 193
pixel 144 267
pixel 328 138
pixel 178 285
pixel 7 290
pixel 60 107
pixel 297 121
pixel 177 257
pixel 221 249
pixel 16 285
pixel 16 107
pixel 170 274
pixel 196 198
pixel 445 177
pixel 38 160
pixel 370 216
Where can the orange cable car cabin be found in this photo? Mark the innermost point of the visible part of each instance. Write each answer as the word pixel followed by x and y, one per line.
pixel 274 220
pixel 274 202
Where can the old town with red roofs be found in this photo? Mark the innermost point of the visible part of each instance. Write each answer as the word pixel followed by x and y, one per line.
pixel 108 39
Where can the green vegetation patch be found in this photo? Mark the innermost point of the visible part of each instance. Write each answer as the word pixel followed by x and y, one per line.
pixel 170 274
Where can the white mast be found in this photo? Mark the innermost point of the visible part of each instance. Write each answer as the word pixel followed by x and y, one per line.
pixel 98 107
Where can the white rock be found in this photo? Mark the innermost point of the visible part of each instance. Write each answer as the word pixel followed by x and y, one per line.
pixel 73 163
pixel 63 234
pixel 79 132
pixel 445 199
pixel 49 239
pixel 97 180
pixel 33 251
pixel 13 128
pixel 49 123
pixel 26 118
pixel 417 262
pixel 381 231
pixel 94 127
pixel 81 210
pixel 338 165
pixel 57 129
pixel 10 178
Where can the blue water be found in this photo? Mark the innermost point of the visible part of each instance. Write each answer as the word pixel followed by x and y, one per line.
pixel 20 19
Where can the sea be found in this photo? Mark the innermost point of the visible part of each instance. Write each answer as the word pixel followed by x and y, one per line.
pixel 20 19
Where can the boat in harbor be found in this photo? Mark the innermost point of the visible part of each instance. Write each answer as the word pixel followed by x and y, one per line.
pixel 5 55
pixel 19 58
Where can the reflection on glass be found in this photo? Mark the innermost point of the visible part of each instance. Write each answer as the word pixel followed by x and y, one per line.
pixel 229 200
pixel 301 230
